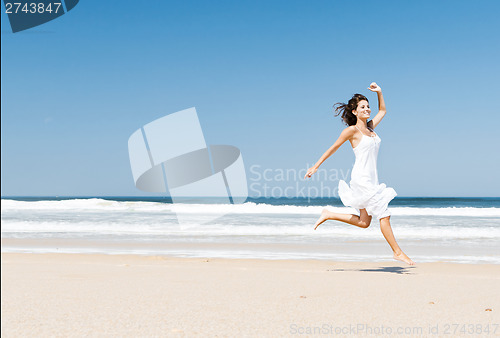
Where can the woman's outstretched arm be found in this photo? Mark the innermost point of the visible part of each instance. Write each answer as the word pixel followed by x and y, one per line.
pixel 381 104
pixel 346 134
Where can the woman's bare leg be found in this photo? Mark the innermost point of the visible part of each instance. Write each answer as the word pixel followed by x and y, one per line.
pixel 362 221
pixel 385 226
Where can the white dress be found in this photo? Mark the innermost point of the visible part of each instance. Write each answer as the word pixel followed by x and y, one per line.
pixel 365 192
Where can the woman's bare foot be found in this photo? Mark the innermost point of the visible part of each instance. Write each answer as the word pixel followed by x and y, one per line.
pixel 403 258
pixel 322 218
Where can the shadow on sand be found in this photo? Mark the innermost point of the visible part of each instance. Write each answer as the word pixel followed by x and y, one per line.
pixel 390 269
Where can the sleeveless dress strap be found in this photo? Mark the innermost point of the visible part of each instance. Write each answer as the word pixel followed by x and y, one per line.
pixel 364 134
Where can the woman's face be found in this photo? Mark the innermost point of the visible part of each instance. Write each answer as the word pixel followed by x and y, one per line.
pixel 363 111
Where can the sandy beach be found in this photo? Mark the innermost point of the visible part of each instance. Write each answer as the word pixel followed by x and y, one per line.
pixel 133 295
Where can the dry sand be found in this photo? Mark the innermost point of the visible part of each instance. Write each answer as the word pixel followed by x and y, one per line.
pixel 125 295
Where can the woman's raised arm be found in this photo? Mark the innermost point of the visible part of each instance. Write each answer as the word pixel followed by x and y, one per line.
pixel 381 104
pixel 346 134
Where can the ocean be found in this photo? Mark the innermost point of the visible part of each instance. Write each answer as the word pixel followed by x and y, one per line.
pixel 459 230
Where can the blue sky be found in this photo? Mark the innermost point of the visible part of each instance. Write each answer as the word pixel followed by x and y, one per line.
pixel 263 76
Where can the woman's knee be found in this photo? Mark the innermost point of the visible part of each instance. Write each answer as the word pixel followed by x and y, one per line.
pixel 365 222
pixel 364 219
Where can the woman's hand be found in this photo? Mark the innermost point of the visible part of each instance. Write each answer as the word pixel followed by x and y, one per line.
pixel 375 88
pixel 310 171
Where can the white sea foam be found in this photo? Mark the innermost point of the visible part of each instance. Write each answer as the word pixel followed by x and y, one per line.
pixel 97 204
pixel 84 204
pixel 143 227
pixel 266 229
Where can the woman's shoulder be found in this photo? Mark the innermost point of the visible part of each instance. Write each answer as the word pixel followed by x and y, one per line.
pixel 350 130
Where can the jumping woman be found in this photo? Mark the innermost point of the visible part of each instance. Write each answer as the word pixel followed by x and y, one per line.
pixel 364 194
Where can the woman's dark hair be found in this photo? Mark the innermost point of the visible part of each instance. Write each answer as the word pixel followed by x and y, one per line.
pixel 345 110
